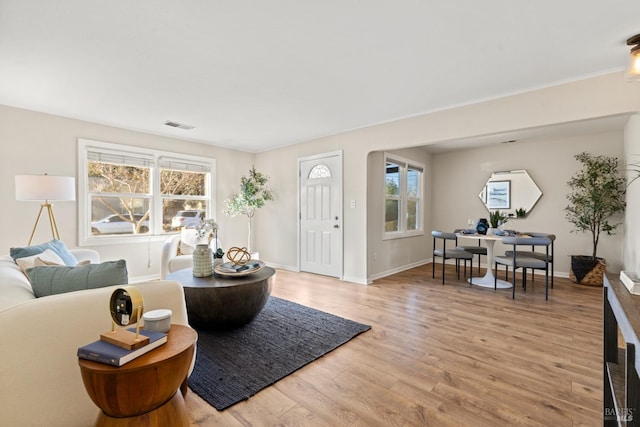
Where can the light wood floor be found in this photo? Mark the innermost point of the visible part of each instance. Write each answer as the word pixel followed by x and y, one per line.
pixel 436 355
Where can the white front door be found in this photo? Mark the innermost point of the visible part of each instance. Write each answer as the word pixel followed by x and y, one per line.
pixel 321 214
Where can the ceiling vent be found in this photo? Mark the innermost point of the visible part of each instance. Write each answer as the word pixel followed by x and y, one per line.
pixel 178 125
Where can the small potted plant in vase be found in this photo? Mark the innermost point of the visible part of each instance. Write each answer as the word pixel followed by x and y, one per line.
pixel 253 195
pixel 597 196
pixel 496 219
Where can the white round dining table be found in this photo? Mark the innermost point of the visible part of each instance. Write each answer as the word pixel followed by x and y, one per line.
pixel 488 280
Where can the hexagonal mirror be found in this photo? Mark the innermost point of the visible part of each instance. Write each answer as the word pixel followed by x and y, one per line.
pixel 513 192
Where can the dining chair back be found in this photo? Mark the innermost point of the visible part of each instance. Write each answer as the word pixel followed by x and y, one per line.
pixel 523 259
pixel 440 250
pixel 538 254
pixel 474 249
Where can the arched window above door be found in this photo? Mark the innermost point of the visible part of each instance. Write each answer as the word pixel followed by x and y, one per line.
pixel 319 171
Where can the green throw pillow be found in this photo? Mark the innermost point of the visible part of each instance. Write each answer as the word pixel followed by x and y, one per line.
pixel 55 245
pixel 50 280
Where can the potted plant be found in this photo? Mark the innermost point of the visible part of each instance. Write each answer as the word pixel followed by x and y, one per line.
pixel 521 213
pixel 496 218
pixel 597 196
pixel 253 195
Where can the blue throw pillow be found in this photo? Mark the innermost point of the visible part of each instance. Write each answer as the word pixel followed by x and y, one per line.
pixel 50 280
pixel 55 245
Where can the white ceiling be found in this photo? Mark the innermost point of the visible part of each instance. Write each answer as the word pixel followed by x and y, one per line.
pixel 254 74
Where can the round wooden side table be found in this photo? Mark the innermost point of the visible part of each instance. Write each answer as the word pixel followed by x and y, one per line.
pixel 144 392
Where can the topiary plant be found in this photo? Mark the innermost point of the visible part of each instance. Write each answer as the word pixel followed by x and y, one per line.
pixel 597 195
pixel 253 195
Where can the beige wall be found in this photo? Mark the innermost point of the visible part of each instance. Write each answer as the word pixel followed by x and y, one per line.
pixel 35 143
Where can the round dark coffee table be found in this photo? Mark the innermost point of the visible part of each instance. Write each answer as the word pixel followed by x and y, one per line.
pixel 216 302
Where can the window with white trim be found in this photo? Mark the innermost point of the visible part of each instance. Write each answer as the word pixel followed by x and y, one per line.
pixel 130 193
pixel 403 200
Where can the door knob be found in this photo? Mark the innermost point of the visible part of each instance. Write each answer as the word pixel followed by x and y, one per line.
pixel 336 226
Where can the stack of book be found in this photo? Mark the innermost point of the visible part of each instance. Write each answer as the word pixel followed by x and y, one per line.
pixel 104 352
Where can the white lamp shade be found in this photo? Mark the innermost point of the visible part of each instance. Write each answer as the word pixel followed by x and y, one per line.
pixel 45 187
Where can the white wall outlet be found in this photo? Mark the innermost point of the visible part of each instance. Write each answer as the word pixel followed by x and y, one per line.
pixel 353 204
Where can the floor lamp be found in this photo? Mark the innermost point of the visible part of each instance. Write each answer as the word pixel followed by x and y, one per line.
pixel 45 188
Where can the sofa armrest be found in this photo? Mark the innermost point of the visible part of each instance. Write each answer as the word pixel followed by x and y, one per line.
pixel 40 338
pixel 169 251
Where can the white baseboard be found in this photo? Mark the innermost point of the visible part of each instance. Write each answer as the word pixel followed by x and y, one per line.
pixel 283 267
pixel 356 280
pixel 396 270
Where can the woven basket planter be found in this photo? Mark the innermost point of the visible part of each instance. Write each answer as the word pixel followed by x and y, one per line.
pixel 587 270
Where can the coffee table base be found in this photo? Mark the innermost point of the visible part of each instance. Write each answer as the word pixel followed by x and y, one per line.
pixel 222 303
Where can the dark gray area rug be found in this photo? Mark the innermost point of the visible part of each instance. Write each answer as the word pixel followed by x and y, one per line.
pixel 233 365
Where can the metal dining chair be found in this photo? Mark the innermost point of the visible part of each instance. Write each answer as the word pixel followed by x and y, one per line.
pixel 520 259
pixel 476 250
pixel 536 254
pixel 444 253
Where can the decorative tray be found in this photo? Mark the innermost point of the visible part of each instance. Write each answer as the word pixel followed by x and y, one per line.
pixel 231 270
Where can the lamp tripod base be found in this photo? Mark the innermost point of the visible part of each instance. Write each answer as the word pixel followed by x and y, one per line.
pixel 52 221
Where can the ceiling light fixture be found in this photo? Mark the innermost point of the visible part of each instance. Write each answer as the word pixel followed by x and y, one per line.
pixel 633 72
pixel 178 125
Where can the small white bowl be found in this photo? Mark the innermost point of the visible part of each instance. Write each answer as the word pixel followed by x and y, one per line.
pixel 157 320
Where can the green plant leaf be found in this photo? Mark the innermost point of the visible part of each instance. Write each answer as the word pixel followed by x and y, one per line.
pixel 253 195
pixel 597 196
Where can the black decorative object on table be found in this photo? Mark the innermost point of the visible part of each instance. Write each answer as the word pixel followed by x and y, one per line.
pixel 482 226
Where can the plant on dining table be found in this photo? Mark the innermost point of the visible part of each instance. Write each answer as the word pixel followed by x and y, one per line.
pixel 497 218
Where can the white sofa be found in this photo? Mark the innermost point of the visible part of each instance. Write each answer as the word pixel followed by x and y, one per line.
pixel 40 382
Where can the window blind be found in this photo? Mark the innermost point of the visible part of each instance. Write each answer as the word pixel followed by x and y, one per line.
pixel 183 165
pixel 119 158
